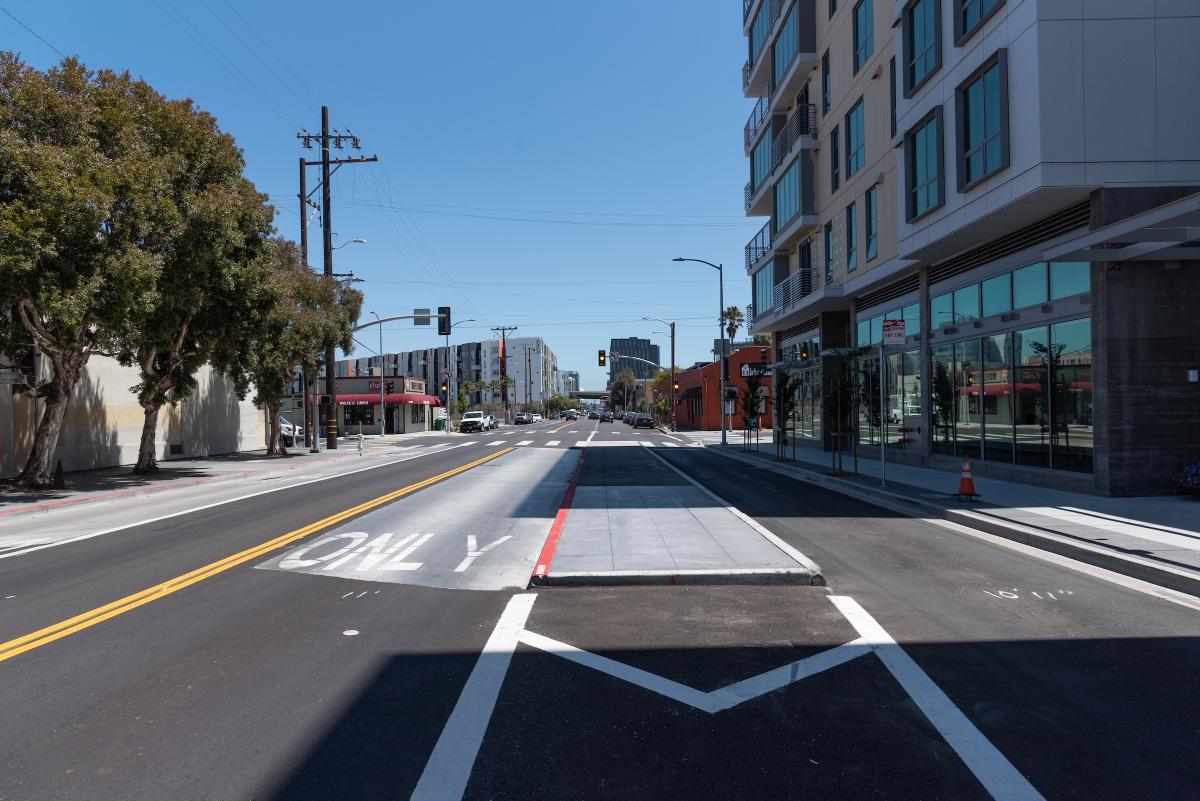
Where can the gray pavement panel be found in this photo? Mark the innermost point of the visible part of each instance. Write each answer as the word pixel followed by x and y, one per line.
pixel 609 467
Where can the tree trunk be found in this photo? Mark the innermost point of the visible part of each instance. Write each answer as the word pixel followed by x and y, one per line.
pixel 37 472
pixel 275 440
pixel 147 461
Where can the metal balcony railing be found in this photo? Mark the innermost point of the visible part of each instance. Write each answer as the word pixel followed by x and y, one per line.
pixel 759 246
pixel 791 290
pixel 803 122
pixel 749 194
pixel 749 314
pixel 757 117
pixel 746 74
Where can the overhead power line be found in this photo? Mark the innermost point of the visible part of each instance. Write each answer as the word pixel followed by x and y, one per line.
pixel 506 218
pixel 40 38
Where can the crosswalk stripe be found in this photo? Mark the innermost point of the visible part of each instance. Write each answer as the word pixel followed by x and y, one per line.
pixel 497 442
pixel 582 443
pixel 525 442
pixel 671 445
pixel 647 443
pixel 553 442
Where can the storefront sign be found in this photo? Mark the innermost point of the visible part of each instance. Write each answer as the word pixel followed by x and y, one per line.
pixel 755 368
pixel 373 385
pixel 414 385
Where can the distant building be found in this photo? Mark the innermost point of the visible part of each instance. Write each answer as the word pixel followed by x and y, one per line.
pixel 568 381
pixel 632 346
pixel 730 346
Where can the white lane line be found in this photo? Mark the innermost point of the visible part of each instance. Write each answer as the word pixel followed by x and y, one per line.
pixel 497 442
pixel 449 767
pixel 215 504
pixel 590 436
pixel 525 442
pixel 582 443
pixel 745 518
pixel 645 443
pixel 670 445
pixel 553 442
pixel 992 769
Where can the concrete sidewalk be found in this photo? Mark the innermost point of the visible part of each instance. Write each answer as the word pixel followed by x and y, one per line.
pixel 634 519
pixel 1155 539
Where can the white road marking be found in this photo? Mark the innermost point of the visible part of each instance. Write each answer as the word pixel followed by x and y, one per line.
pixel 992 769
pixel 754 524
pixel 645 443
pixel 350 632
pixel 497 442
pixel 582 443
pixel 670 445
pixel 525 442
pixel 449 766
pixel 710 702
pixel 215 504
pixel 474 551
pixel 347 595
pixel 590 436
pixel 552 443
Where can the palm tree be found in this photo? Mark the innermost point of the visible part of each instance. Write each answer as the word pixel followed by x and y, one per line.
pixel 733 320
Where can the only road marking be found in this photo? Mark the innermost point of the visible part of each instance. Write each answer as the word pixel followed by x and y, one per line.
pixel 57 631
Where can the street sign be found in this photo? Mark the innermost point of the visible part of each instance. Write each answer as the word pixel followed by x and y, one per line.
pixel 446 374
pixel 893 332
pixel 420 316
pixel 755 368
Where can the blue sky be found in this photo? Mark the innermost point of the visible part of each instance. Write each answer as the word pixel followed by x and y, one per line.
pixel 541 161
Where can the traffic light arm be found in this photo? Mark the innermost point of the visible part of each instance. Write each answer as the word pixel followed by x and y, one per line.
pixel 636 359
pixel 390 319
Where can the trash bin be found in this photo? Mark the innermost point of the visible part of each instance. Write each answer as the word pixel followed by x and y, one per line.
pixel 439 424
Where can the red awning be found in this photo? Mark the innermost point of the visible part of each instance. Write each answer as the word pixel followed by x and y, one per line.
pixel 392 398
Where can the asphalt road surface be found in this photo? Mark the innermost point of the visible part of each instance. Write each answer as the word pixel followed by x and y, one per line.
pixel 371 636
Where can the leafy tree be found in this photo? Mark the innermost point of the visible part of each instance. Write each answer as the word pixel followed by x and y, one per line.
pixel 557 403
pixel 210 284
pixel 624 387
pixel 304 312
pixel 84 215
pixel 787 383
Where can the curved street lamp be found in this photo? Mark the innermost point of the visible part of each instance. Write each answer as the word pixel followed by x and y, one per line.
pixel 671 325
pixel 721 325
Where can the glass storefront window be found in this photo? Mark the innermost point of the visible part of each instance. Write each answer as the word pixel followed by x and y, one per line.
pixel 998 398
pixel 1032 409
pixel 894 409
pixel 868 400
pixel 967 414
pixel 911 315
pixel 1071 395
pixel 1069 278
pixel 864 333
pixel 941 311
pixel 997 295
pixel 966 304
pixel 876 329
pixel 942 398
pixel 1029 285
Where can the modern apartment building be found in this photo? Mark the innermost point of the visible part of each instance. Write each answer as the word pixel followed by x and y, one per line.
pixel 568 381
pixel 638 348
pixel 1018 181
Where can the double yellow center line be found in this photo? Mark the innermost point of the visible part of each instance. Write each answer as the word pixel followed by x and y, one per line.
pixel 120 606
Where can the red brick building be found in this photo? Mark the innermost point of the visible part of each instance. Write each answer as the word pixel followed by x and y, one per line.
pixel 698 402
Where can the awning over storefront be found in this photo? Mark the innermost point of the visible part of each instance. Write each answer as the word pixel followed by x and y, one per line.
pixel 392 399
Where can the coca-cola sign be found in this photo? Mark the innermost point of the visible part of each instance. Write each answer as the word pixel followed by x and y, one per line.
pixel 373 385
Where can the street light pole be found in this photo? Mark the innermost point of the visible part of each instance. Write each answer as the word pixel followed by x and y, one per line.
pixel 672 325
pixel 720 324
pixel 382 381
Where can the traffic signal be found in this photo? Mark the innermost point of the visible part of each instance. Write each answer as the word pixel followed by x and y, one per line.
pixel 443 321
pixel 804 352
pixel 603 359
pixel 676 386
pixel 444 387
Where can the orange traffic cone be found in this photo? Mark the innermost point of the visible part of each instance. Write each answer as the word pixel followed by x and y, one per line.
pixel 966 484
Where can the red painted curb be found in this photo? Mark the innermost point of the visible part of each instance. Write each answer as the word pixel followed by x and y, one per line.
pixel 542 567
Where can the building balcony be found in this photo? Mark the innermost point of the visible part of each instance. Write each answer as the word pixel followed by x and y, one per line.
pixel 758 116
pixel 748 9
pixel 756 75
pixel 800 128
pixel 758 247
pixel 785 297
pixel 758 201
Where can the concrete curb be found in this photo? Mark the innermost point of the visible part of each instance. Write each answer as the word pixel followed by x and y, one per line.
pixel 644 578
pixel 1126 564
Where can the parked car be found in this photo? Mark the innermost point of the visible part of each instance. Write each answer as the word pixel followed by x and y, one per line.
pixel 290 432
pixel 492 423
pixel 606 417
pixel 473 421
pixel 593 415
pixel 643 421
pixel 535 418
pixel 522 418
pixel 571 414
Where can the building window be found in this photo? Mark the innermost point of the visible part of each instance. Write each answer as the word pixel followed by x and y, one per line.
pixel 783 52
pixel 982 122
pixel 760 160
pixel 787 196
pixel 825 83
pixel 923 156
pixel 829 252
pixel 855 140
pixel 969 16
pixel 763 289
pixel 864 34
pixel 922 43
pixel 759 31
pixel 872 211
pixel 892 92
pixel 851 239
pixel 834 159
